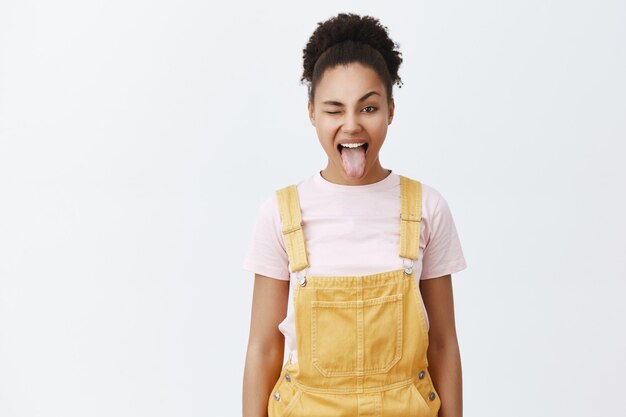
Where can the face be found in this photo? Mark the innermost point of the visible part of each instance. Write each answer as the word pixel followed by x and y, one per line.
pixel 351 106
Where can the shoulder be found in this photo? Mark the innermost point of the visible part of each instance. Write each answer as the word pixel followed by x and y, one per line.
pixel 435 210
pixel 301 185
pixel 431 197
pixel 269 208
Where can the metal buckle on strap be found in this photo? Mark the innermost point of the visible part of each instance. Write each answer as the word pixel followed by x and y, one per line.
pixel 301 276
pixel 408 266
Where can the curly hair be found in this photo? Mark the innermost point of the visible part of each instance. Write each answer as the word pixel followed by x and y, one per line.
pixel 348 38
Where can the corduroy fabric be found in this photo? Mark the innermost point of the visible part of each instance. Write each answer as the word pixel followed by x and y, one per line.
pixel 410 217
pixel 289 206
pixel 362 340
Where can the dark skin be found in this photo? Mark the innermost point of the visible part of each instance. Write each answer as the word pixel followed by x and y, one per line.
pixel 264 358
pixel 360 109
pixel 444 358
pixel 266 344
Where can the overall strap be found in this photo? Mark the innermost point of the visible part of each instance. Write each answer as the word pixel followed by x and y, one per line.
pixel 291 220
pixel 410 217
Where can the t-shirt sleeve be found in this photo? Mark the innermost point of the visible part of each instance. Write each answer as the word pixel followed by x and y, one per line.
pixel 266 254
pixel 443 254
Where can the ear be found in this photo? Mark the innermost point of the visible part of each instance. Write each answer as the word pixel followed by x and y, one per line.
pixel 311 111
pixel 392 107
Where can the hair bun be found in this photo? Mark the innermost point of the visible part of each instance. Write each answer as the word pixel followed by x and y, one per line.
pixel 351 27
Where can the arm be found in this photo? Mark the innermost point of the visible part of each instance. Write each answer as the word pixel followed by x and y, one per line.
pixel 266 344
pixel 443 350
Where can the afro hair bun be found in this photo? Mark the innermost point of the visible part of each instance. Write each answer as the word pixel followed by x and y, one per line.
pixel 351 27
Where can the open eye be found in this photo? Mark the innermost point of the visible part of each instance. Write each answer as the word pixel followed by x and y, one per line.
pixel 370 107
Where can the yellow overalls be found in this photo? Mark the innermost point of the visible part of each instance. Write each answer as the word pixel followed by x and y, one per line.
pixel 361 340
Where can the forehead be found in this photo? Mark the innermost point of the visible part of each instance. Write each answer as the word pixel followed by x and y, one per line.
pixel 348 83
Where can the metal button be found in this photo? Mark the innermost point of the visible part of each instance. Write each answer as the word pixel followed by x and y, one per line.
pixel 277 396
pixel 408 266
pixel 431 396
pixel 422 374
pixel 302 281
pixel 288 377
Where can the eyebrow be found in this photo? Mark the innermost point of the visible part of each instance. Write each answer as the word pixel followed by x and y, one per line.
pixel 338 103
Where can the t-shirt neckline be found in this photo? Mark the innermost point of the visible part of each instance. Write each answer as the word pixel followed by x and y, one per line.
pixel 383 184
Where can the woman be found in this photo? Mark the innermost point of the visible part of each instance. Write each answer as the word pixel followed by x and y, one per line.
pixel 364 337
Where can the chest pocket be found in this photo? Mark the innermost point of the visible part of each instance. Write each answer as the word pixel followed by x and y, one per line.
pixel 356 337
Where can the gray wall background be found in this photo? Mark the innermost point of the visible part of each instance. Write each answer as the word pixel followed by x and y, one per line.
pixel 138 138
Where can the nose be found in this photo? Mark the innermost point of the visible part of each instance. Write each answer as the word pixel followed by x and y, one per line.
pixel 351 124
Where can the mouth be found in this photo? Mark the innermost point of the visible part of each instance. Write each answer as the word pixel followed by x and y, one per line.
pixel 340 146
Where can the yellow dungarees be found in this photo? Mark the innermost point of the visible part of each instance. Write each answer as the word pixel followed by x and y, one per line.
pixel 361 340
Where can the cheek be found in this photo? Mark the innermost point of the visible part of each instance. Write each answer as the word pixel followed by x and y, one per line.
pixel 377 127
pixel 327 129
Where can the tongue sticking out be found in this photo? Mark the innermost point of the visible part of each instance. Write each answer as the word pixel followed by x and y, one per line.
pixel 353 161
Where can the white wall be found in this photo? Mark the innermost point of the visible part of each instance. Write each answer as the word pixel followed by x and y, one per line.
pixel 138 138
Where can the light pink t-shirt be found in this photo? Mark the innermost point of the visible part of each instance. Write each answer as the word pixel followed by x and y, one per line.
pixel 352 230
